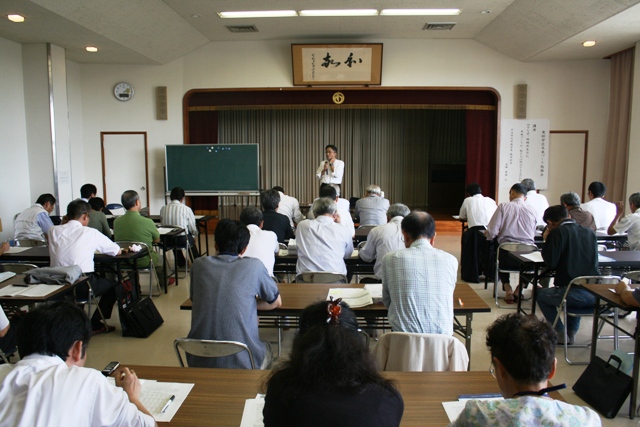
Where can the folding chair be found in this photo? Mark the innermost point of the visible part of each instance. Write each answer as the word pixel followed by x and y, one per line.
pixel 209 348
pixel 413 352
pixel 182 247
pixel 509 247
pixel 30 243
pixel 583 312
pixel 18 267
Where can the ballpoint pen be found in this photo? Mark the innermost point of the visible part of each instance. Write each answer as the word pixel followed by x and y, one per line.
pixel 460 302
pixel 166 405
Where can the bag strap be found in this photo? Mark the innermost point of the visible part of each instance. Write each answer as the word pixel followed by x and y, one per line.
pixel 615 359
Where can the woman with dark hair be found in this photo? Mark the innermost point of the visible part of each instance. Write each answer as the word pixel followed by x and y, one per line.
pixel 97 218
pixel 522 361
pixel 330 378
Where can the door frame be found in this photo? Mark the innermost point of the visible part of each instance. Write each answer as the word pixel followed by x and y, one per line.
pixel 146 161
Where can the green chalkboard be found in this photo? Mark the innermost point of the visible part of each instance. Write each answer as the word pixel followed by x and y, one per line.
pixel 217 168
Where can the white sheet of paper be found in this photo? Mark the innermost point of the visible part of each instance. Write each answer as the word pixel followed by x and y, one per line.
pixel 454 409
pixel 16 250
pixel 6 275
pixel 456 217
pixel 375 289
pixel 355 297
pixel 354 254
pixel 534 256
pixel 252 414
pixel 602 258
pixel 29 291
pixel 198 216
pixel 165 230
pixel 283 252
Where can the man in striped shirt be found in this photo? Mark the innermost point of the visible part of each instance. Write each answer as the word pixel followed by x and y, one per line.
pixel 179 215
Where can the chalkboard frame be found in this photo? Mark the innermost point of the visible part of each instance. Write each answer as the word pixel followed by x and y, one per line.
pixel 234 189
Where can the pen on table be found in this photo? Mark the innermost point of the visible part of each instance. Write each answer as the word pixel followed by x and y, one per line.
pixel 460 302
pixel 21 285
pixel 166 405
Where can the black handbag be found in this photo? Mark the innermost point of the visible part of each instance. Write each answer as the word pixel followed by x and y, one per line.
pixel 140 318
pixel 604 386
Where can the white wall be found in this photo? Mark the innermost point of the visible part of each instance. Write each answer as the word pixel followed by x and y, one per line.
pixel 572 94
pixel 14 164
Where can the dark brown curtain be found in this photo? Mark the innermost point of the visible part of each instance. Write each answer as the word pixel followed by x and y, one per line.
pixel 481 149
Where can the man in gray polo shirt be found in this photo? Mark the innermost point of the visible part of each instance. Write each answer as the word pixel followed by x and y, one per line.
pixel 372 209
pixel 227 290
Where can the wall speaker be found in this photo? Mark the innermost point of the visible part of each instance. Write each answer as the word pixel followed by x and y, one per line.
pixel 521 101
pixel 162 112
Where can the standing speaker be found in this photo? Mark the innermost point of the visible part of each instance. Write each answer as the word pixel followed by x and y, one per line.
pixel 521 101
pixel 161 103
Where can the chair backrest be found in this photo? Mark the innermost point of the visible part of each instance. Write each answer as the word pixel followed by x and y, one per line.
pixel 282 246
pixel 29 243
pixel 632 275
pixel 404 351
pixel 367 226
pixel 361 244
pixel 583 280
pixel 209 348
pixel 601 280
pixel 517 247
pixel 320 277
pixel 18 267
pixel 116 208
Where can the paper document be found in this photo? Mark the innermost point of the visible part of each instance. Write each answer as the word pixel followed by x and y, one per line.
pixel 252 414
pixel 456 217
pixel 155 395
pixel 354 254
pixel 375 289
pixel 283 252
pixel 165 230
pixel 534 256
pixel 16 250
pixel 6 275
pixel 29 290
pixel 198 216
pixel 355 297
pixel 602 258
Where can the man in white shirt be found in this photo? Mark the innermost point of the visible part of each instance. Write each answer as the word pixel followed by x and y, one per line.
pixel 34 222
pixel 537 201
pixel 332 192
pixel 372 209
pixel 323 243
pixel 50 385
pixel 289 206
pixel 385 238
pixel 630 224
pixel 74 243
pixel 603 212
pixel 179 215
pixel 331 170
pixel 263 244
pixel 477 210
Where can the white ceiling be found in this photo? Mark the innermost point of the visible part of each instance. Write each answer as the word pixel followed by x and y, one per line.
pixel 160 31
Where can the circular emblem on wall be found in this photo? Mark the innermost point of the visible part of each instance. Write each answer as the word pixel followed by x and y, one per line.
pixel 338 98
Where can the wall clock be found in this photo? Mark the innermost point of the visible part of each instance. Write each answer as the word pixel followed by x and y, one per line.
pixel 123 91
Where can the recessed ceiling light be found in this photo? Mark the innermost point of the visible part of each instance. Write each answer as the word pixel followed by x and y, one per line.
pixel 343 12
pixel 91 49
pixel 486 12
pixel 259 14
pixel 196 16
pixel 419 12
pixel 589 43
pixel 16 18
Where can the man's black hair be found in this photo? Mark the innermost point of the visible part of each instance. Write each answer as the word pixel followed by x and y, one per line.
pixel 87 190
pixel 333 147
pixel 129 199
pixel 77 208
pixel 51 329
pixel 419 224
pixel 329 192
pixel 177 193
pixel 96 203
pixel 473 189
pixel 46 198
pixel 232 237
pixel 555 213
pixel 597 188
pixel 278 188
pixel 251 215
pixel 519 189
pixel 270 200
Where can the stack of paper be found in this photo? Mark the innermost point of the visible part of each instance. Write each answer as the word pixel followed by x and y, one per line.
pixel 454 409
pixel 375 289
pixel 355 297
pixel 6 275
pixel 252 414
pixel 41 290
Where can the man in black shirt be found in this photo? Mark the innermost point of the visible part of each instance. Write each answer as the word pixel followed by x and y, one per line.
pixel 274 221
pixel 571 250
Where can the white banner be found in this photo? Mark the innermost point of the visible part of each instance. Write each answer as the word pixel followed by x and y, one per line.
pixel 524 152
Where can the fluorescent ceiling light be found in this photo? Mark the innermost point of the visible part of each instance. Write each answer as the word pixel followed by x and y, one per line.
pixel 259 14
pixel 343 12
pixel 16 18
pixel 419 12
pixel 91 49
pixel 589 43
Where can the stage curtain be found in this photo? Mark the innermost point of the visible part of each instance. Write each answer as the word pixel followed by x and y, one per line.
pixel 481 149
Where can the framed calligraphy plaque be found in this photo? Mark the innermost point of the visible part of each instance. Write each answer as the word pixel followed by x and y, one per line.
pixel 337 64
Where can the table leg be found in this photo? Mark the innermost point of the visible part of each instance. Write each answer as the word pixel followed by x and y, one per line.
pixel 164 266
pixel 594 330
pixel 467 340
pixel 633 400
